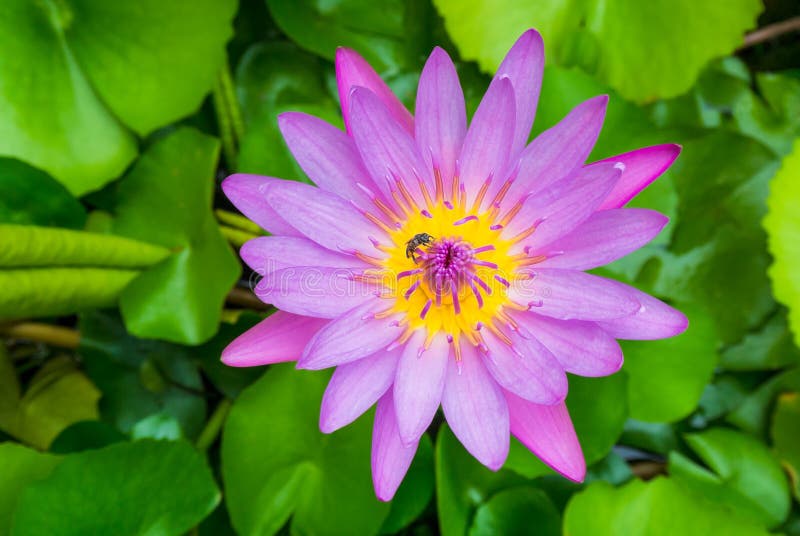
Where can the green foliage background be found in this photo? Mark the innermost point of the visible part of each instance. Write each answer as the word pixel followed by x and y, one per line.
pixel 119 282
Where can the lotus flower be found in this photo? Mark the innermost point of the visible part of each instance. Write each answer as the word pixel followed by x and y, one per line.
pixel 436 264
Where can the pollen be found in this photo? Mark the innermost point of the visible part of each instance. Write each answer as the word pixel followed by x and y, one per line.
pixel 457 283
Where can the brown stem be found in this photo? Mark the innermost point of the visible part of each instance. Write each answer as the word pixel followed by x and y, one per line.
pixel 46 333
pixel 770 31
pixel 648 469
pixel 245 298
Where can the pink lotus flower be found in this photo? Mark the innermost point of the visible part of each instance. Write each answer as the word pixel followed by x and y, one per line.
pixel 486 314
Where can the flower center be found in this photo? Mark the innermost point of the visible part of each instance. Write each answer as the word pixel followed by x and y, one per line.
pixel 448 267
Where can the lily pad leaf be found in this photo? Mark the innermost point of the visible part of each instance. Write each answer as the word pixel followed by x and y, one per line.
pixel 608 36
pixel 783 227
pixel 661 507
pixel 20 466
pixel 144 487
pixel 785 437
pixel 276 464
pixel 522 510
pixel 78 70
pixel 31 196
pixel 744 475
pixel 166 200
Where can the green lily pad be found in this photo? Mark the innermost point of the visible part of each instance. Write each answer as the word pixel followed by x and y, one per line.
pixel 20 466
pixel 783 227
pixel 79 70
pixel 273 78
pixel 277 465
pixel 140 378
pixel 522 510
pixel 752 415
pixel 376 30
pixel 30 196
pixel 57 396
pixel 166 200
pixel 608 37
pixel 785 437
pixel 144 487
pixel 661 507
pixel 667 376
pixel 463 484
pixel 744 475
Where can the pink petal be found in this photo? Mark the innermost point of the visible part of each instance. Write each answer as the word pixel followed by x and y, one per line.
pixel 314 291
pixel 527 369
pixel 548 432
pixel 269 253
pixel 487 144
pixel 278 338
pixel 356 334
pixel 247 193
pixel 418 384
pixel 327 155
pixel 582 348
pixel 391 458
pixel 653 320
pixel 604 237
pixel 642 167
pixel 354 387
pixel 476 410
pixel 324 217
pixel 555 153
pixel 441 118
pixel 568 295
pixel 564 206
pixel 352 70
pixel 524 65
pixel 388 151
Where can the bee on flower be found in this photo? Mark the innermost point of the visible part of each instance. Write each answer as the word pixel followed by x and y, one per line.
pixel 464 249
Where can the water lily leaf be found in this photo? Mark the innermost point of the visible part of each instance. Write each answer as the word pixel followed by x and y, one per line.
pixel 144 487
pixel 522 510
pixel 20 466
pixel 769 348
pixel 276 464
pixel 667 376
pixel 752 415
pixel 744 476
pixel 463 484
pixel 376 30
pixel 273 78
pixel 140 378
pixel 86 435
pixel 608 37
pixel 81 70
pixel 661 507
pixel 722 182
pixel 783 227
pixel 415 492
pixel 785 437
pixel 166 200
pixel 30 196
pixel 58 395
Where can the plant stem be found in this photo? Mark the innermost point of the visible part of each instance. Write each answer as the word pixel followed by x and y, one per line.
pixel 237 237
pixel 229 115
pixel 46 333
pixel 771 31
pixel 238 221
pixel 245 298
pixel 213 426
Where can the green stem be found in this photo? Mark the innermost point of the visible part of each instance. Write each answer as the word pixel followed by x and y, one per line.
pixel 229 115
pixel 237 221
pixel 237 237
pixel 213 426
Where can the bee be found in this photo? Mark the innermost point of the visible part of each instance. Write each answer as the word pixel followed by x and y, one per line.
pixel 421 239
